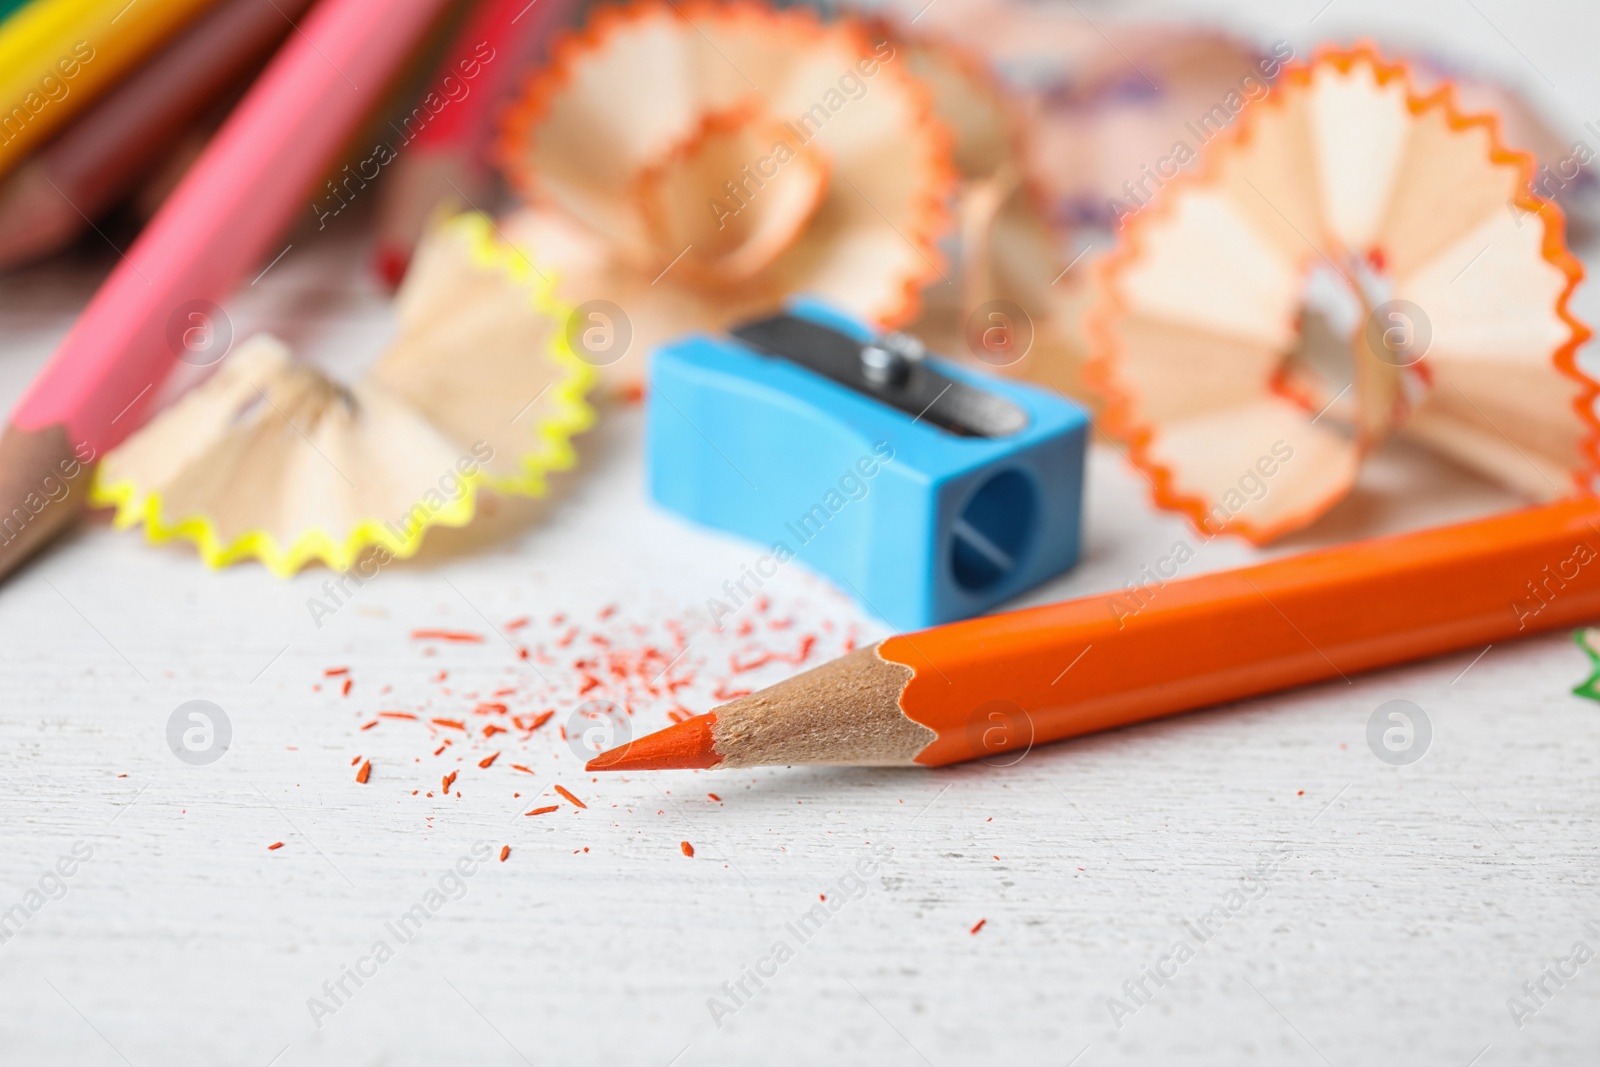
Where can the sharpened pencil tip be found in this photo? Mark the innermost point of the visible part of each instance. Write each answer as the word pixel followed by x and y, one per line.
pixel 681 746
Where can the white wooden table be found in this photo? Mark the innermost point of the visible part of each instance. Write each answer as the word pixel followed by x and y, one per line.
pixel 1360 912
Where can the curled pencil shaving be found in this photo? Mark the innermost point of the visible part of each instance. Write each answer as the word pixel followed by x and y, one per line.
pixel 1352 260
pixel 1588 639
pixel 271 459
pixel 1011 304
pixel 692 165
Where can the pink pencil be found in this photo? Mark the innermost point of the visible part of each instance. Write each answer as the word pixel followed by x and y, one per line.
pixel 223 220
pixel 445 148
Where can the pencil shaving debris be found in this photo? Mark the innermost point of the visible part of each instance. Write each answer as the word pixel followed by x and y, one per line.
pixel 686 848
pixel 447 635
pixel 643 667
pixel 364 773
pixel 275 845
pixel 505 850
pixel 977 926
pixel 544 810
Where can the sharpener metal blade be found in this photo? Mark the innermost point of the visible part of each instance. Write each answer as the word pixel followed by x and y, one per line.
pixel 890 369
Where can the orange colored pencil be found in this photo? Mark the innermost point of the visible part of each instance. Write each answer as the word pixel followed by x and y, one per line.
pixel 972 689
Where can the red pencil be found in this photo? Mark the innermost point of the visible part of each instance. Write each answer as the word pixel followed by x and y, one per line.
pixel 444 159
pixel 54 197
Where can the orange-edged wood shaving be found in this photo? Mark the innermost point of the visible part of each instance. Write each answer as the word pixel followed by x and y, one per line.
pixel 567 793
pixel 977 926
pixel 489 759
pixel 544 810
pixel 449 780
pixel 454 724
pixel 686 848
pixel 520 767
pixel 505 850
pixel 275 845
pixel 364 773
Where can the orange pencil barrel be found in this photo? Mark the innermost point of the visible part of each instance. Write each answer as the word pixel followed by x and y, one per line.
pixel 1042 674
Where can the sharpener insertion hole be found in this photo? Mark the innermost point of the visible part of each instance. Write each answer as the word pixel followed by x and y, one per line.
pixel 993 532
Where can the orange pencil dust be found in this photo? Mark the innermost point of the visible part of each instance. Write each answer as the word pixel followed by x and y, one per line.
pixel 447 635
pixel 597 676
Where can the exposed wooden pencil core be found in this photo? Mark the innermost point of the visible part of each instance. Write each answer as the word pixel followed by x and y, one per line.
pixel 42 490
pixel 844 712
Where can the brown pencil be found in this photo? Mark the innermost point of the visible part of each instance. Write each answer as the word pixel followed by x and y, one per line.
pixel 972 689
pixel 54 197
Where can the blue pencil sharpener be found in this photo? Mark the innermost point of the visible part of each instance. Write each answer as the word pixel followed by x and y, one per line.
pixel 926 491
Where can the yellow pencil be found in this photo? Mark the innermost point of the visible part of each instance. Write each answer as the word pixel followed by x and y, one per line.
pixel 57 55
